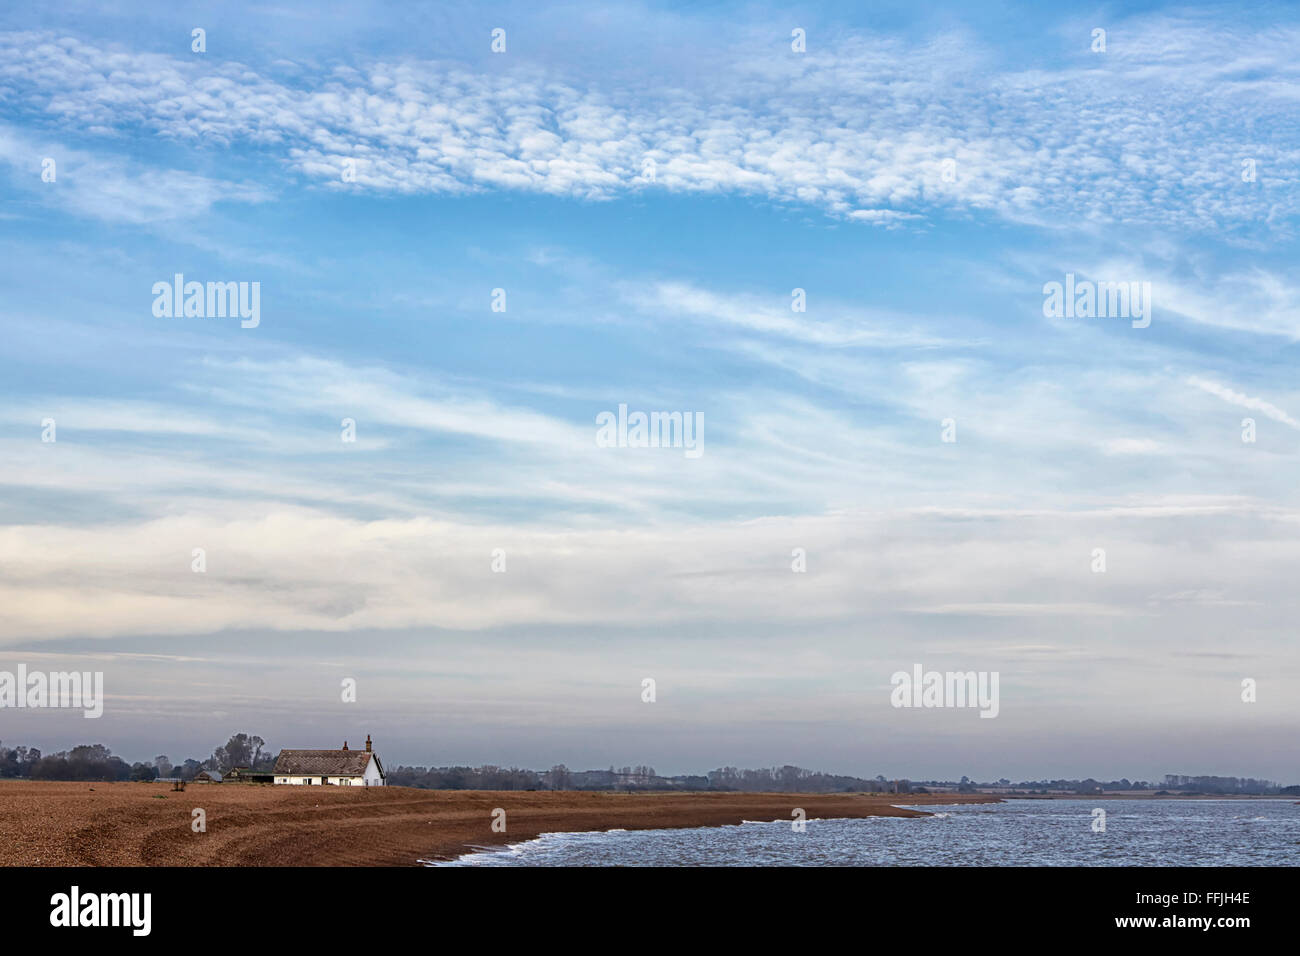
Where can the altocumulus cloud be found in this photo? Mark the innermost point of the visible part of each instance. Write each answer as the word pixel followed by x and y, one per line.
pixel 840 130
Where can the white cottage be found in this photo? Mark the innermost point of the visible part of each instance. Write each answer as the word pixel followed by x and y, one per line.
pixel 338 768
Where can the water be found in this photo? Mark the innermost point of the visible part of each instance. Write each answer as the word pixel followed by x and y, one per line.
pixel 1016 833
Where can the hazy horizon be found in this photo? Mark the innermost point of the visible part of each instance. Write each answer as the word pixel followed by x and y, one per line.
pixel 357 742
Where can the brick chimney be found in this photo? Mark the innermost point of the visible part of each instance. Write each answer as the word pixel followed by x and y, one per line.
pixel 367 743
pixel 345 745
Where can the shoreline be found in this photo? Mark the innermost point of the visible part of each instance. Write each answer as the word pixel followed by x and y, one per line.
pixel 46 823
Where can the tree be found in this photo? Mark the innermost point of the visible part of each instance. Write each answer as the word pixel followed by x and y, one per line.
pixel 241 750
pixel 85 762
pixel 558 778
pixel 789 777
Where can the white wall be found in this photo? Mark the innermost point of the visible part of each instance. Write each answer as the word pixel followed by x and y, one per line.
pixel 371 779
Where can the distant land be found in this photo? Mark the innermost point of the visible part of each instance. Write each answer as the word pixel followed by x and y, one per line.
pixel 95 762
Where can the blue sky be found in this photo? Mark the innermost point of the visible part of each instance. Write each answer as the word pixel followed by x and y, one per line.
pixel 919 174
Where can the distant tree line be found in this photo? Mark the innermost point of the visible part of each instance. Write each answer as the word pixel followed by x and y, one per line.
pixel 97 762
pixel 790 779
pixel 1173 783
pixel 640 778
pixel 487 777
pixel 1222 785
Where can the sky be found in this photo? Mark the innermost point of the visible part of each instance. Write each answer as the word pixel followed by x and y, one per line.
pixel 472 253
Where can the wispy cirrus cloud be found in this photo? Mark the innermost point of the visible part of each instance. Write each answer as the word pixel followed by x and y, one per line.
pixel 1242 400
pixel 106 187
pixel 832 327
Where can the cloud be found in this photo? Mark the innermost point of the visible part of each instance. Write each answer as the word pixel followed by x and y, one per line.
pixel 283 568
pixel 1257 301
pixel 830 326
pixel 882 217
pixel 1243 400
pixel 107 188
pixel 850 130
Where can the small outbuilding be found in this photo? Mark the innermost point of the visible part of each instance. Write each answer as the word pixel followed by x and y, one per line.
pixel 244 775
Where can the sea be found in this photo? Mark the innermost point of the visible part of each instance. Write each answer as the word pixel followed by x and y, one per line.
pixel 1236 832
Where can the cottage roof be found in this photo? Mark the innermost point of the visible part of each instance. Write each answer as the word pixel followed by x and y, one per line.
pixel 337 763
